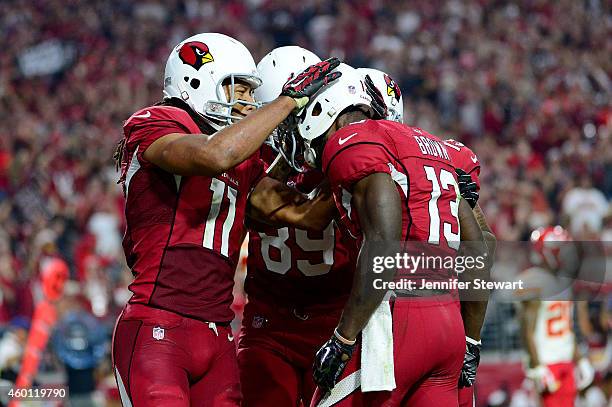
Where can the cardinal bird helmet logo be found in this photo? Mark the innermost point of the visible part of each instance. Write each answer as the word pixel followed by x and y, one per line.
pixel 392 88
pixel 196 54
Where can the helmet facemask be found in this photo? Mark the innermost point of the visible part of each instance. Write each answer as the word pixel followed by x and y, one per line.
pixel 285 141
pixel 222 111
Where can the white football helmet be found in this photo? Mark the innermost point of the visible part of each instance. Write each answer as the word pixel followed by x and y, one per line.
pixel 276 68
pixel 390 91
pixel 321 112
pixel 197 68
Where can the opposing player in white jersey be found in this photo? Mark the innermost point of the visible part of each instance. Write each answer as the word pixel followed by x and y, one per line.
pixel 547 323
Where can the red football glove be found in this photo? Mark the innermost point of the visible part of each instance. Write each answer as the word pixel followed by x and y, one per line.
pixel 303 86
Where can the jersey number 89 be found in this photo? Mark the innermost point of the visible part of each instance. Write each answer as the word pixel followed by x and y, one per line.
pixel 306 267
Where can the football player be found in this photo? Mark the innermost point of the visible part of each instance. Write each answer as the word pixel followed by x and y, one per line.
pixel 467 167
pixel 391 184
pixel 297 280
pixel 546 316
pixel 189 176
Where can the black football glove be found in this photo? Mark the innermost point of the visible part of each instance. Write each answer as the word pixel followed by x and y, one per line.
pixel 470 364
pixel 467 187
pixel 378 101
pixel 330 362
pixel 309 81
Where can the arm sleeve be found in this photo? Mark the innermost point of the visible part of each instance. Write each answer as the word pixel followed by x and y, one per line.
pixel 464 158
pixel 355 162
pixel 257 169
pixel 470 164
pixel 475 174
pixel 346 167
pixel 144 135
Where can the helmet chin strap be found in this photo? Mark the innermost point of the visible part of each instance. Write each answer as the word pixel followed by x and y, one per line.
pixel 310 156
pixel 184 95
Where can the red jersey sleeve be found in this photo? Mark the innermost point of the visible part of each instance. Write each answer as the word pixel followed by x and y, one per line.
pixel 150 124
pixel 256 170
pixel 353 153
pixel 464 158
pixel 267 155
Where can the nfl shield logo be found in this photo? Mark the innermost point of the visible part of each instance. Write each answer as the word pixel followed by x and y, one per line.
pixel 158 333
pixel 258 321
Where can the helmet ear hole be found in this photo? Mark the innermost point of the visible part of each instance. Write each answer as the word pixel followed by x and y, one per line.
pixel 195 83
pixel 317 109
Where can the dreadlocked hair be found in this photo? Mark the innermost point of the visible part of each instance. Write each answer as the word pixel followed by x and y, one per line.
pixel 118 154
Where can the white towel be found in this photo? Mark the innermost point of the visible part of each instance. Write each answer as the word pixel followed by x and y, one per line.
pixel 377 372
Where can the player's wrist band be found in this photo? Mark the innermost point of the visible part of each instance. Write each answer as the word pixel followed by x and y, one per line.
pixel 343 339
pixel 473 341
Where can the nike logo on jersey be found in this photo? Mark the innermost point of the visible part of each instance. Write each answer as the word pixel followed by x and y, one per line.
pixel 143 116
pixel 344 140
pixel 474 159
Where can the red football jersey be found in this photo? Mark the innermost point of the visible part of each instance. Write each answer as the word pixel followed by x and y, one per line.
pixel 418 162
pixel 464 158
pixel 290 267
pixel 183 234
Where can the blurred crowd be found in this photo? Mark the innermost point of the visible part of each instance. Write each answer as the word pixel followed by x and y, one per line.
pixel 526 84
